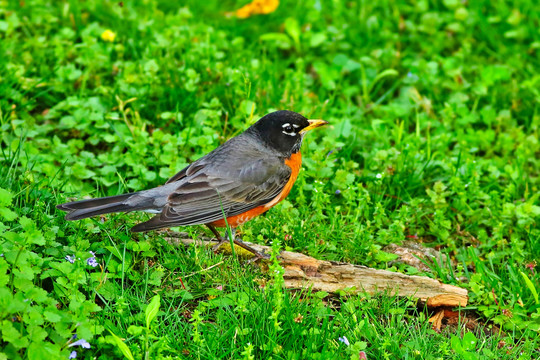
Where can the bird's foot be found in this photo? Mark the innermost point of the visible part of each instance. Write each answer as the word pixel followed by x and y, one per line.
pixel 257 255
pixel 221 241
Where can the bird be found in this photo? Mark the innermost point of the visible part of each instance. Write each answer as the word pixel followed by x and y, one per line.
pixel 239 180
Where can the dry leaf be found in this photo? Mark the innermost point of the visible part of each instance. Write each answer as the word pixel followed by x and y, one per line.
pixel 256 7
pixel 437 321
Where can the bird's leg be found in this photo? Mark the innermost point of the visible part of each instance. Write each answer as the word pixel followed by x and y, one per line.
pixel 224 239
pixel 221 239
pixel 216 233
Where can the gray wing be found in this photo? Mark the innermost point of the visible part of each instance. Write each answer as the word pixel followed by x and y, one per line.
pixel 210 186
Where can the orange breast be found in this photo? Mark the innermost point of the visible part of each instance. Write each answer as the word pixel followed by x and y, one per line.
pixel 294 162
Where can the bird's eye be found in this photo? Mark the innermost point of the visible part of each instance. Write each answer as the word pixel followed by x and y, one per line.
pixel 288 129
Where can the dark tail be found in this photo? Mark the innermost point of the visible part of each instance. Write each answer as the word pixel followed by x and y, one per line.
pixel 87 208
pixel 152 224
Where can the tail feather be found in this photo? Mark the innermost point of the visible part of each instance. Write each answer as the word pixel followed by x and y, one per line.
pixel 87 208
pixel 152 224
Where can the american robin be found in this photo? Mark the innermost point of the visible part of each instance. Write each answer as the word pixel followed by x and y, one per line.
pixel 243 178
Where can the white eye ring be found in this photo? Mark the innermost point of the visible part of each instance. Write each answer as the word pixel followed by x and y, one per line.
pixel 289 133
pixel 288 129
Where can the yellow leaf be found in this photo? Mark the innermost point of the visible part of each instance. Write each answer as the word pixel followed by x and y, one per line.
pixel 257 7
pixel 108 35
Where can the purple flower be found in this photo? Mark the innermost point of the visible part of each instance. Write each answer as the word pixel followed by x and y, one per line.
pixel 344 340
pixel 71 259
pixel 338 192
pixel 412 76
pixel 74 337
pixel 82 343
pixel 73 355
pixel 92 262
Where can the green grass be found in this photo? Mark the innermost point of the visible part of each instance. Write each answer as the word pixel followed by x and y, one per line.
pixel 434 112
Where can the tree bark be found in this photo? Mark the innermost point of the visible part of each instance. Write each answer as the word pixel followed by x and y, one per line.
pixel 302 271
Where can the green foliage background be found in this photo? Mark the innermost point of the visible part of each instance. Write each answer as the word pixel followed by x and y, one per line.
pixel 434 112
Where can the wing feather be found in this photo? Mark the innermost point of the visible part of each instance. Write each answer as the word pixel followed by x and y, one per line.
pixel 206 193
pixel 235 178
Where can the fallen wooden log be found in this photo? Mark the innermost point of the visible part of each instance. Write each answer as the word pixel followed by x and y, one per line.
pixel 302 271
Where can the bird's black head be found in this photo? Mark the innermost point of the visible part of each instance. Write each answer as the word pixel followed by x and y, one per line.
pixel 284 130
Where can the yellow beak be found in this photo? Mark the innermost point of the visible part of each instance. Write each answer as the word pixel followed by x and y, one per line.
pixel 313 124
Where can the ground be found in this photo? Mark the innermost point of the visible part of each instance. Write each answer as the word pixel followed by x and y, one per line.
pixel 434 113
